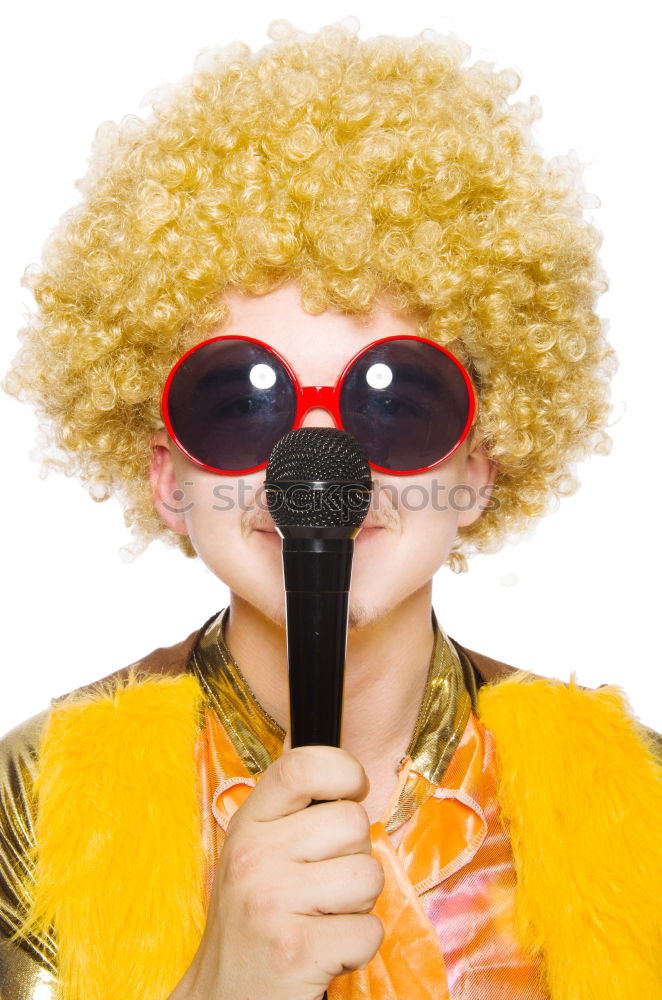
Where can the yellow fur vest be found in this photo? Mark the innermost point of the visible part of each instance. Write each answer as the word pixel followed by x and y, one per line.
pixel 120 859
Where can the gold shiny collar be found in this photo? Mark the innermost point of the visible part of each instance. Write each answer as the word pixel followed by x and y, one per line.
pixel 450 695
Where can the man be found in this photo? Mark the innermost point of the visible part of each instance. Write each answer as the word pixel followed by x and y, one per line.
pixel 280 217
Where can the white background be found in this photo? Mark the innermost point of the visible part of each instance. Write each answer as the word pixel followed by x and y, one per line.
pixel 581 594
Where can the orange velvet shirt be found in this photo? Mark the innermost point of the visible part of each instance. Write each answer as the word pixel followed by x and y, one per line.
pixel 448 902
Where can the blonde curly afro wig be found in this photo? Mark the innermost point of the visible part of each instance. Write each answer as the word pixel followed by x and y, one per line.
pixel 353 167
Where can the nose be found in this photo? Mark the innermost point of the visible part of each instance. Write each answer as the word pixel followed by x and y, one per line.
pixel 317 416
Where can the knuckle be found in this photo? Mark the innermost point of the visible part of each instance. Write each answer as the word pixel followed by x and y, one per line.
pixel 354 818
pixel 292 771
pixel 359 776
pixel 375 875
pixel 368 881
pixel 241 860
pixel 291 946
pixel 260 904
pixel 374 931
pixel 371 935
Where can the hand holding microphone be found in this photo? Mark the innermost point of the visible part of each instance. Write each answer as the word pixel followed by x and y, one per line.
pixel 290 906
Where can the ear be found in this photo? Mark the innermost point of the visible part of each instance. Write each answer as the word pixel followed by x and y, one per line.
pixel 169 499
pixel 480 476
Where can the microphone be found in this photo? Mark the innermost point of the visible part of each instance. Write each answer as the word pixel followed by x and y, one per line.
pixel 318 488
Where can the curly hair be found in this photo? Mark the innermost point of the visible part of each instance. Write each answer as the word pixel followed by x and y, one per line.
pixel 355 168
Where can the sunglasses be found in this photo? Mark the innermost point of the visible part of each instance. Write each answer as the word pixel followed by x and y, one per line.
pixel 407 400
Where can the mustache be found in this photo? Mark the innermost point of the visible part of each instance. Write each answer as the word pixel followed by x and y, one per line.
pixel 382 513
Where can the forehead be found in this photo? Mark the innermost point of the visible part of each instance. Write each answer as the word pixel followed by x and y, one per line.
pixel 317 347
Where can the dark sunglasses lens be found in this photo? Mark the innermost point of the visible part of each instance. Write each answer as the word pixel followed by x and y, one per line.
pixel 407 402
pixel 229 402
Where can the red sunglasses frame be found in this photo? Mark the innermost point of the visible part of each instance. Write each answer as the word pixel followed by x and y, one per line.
pixel 326 397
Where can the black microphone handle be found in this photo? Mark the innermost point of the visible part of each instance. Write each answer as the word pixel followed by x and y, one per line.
pixel 316 666
pixel 317 576
pixel 317 573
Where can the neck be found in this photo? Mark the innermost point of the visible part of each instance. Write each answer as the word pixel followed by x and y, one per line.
pixel 386 669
